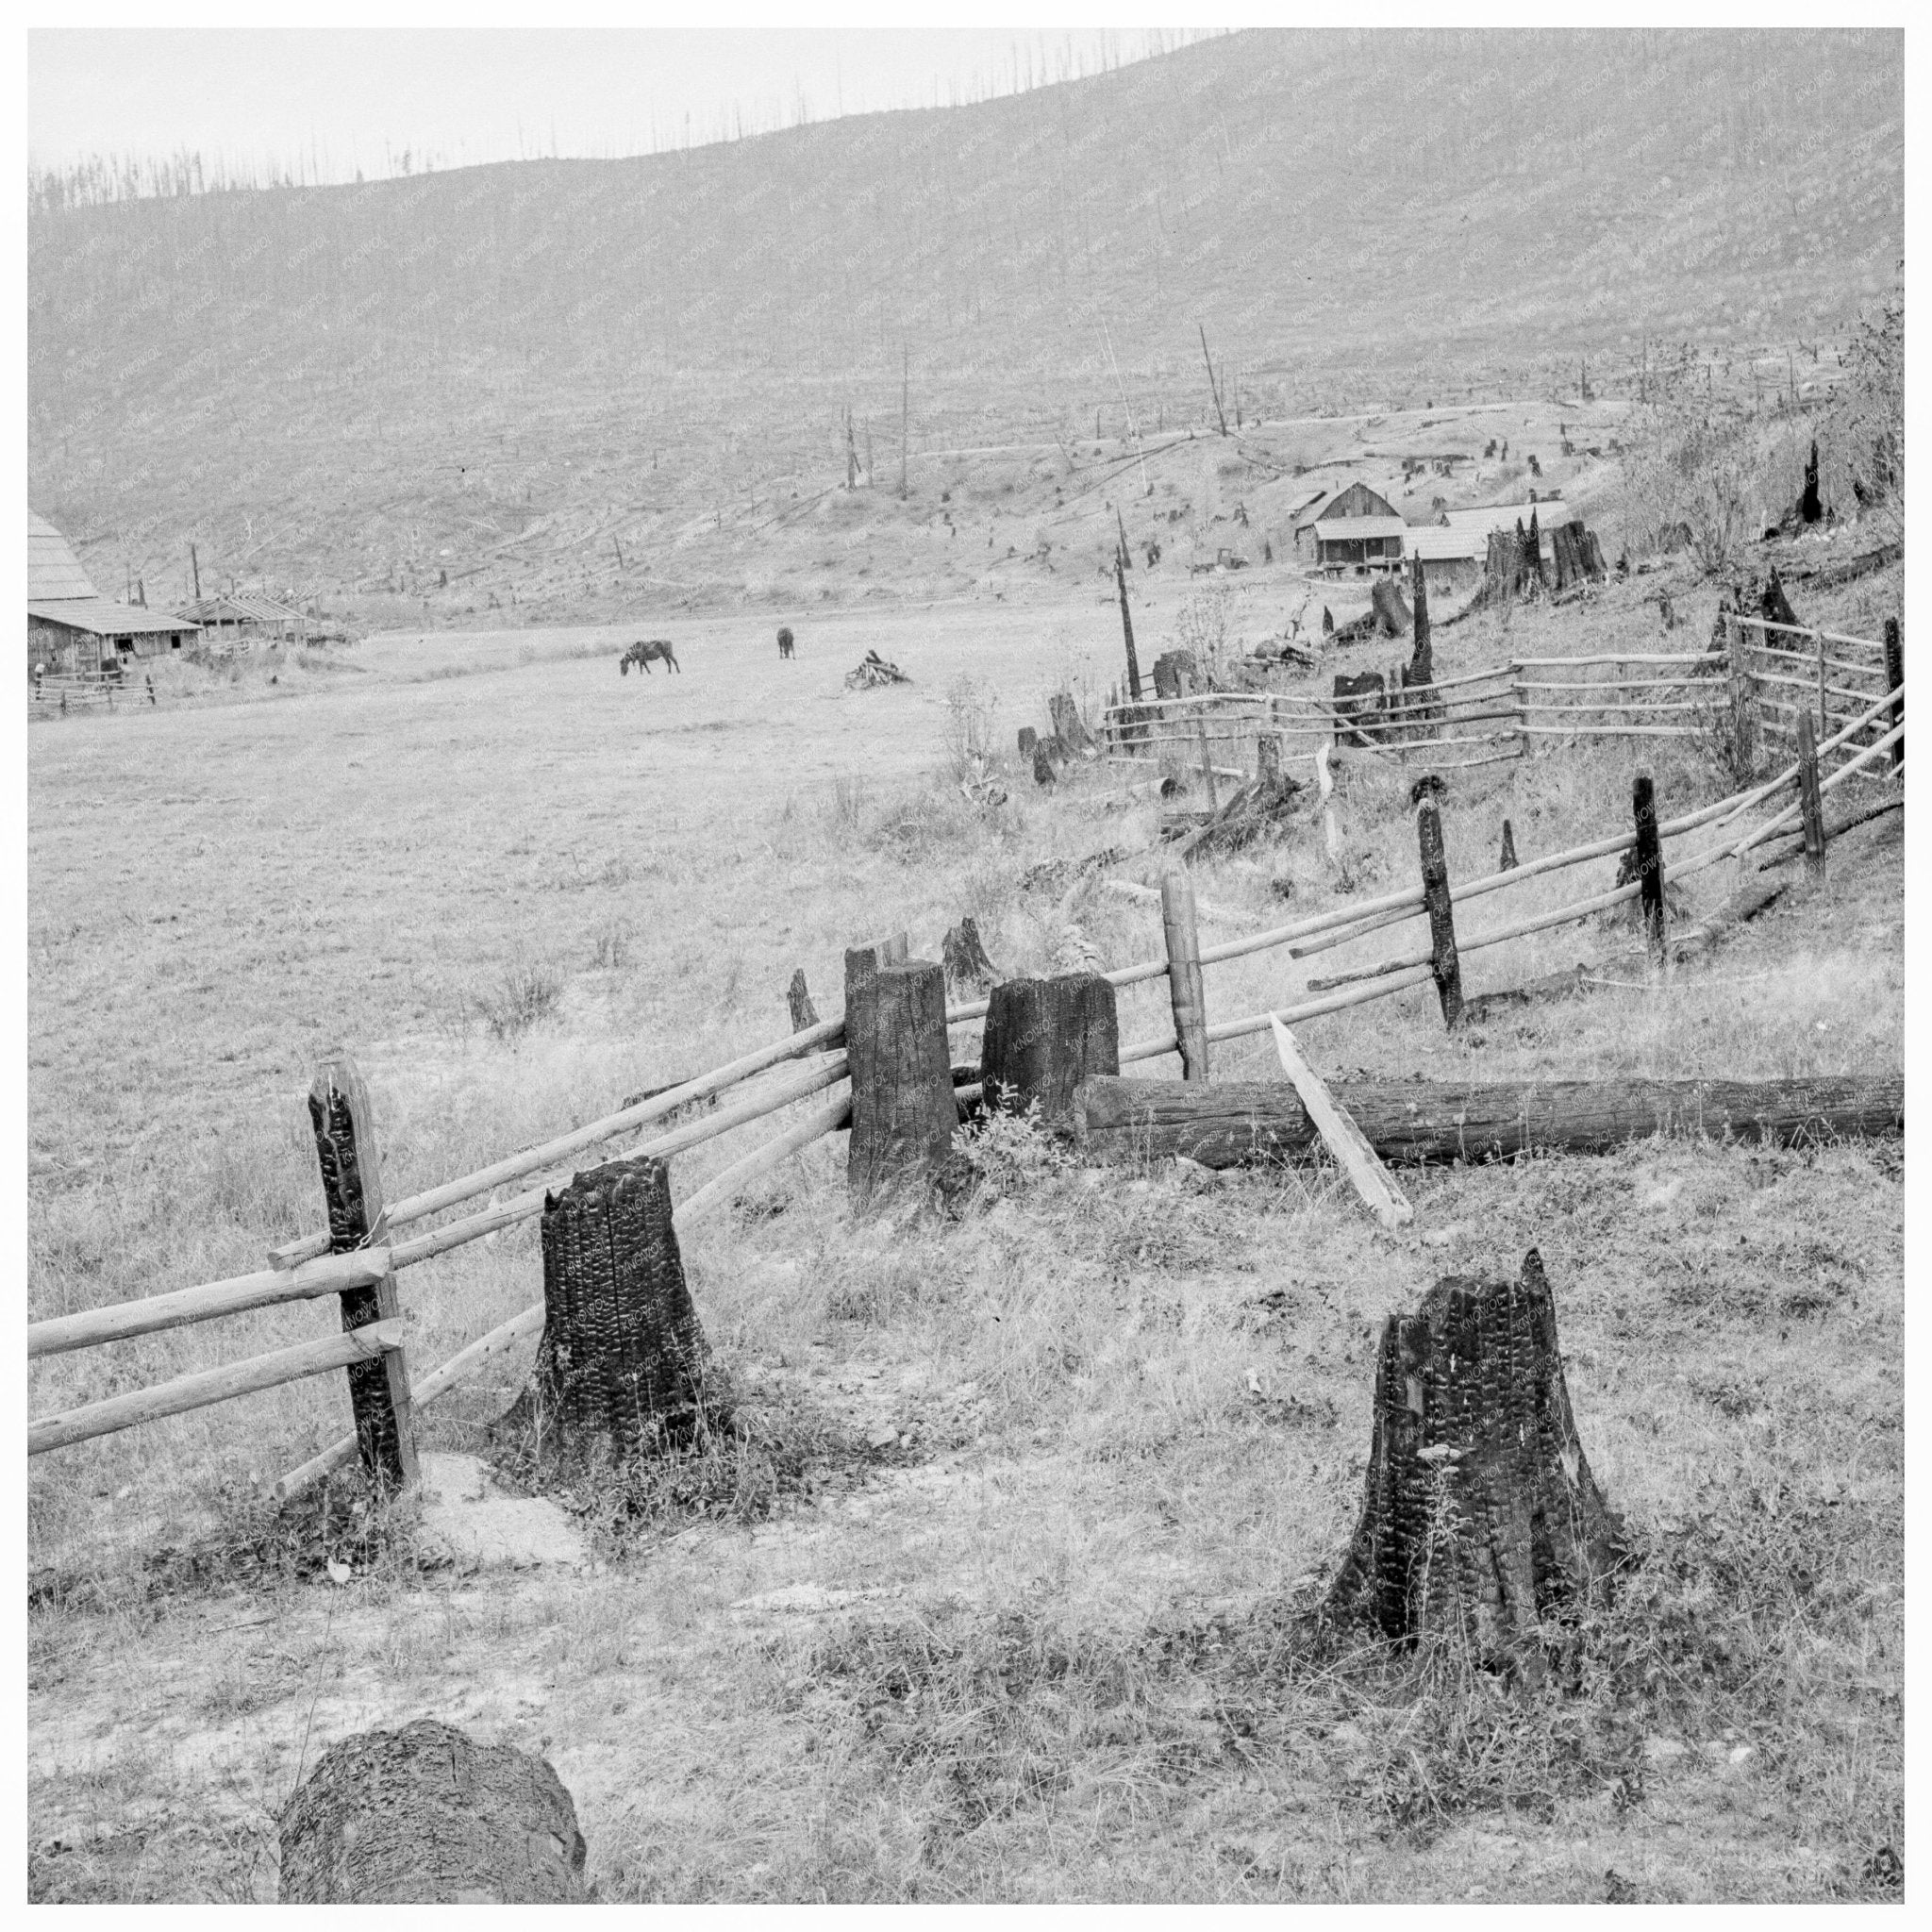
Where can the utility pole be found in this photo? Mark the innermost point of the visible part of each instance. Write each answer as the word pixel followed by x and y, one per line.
pixel 1128 409
pixel 195 564
pixel 905 415
pixel 1213 386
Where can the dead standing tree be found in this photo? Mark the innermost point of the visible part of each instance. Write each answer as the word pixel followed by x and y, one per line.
pixel 1480 1515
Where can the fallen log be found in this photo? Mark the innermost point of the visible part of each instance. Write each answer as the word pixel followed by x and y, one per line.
pixel 1241 1123
pixel 1833 832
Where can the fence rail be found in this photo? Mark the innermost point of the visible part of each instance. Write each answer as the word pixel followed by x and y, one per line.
pixel 364 1275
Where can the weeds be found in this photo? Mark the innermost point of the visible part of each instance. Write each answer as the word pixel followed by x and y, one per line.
pixel 526 991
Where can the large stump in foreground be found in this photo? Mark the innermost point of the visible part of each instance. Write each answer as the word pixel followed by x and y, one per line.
pixel 1043 1036
pixel 427 1816
pixel 620 1368
pixel 1481 1515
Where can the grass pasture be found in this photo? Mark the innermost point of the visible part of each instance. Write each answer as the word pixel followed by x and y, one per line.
pixel 1051 1656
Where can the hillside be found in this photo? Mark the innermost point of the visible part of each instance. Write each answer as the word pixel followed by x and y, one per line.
pixel 353 388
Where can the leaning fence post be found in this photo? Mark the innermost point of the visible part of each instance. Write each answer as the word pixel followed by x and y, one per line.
pixel 1894 680
pixel 345 1148
pixel 1207 762
pixel 1650 863
pixel 1521 698
pixel 903 1109
pixel 1810 805
pixel 1823 714
pixel 1185 990
pixel 1445 966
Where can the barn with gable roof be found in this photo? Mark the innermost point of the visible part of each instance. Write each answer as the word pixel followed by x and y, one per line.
pixel 70 627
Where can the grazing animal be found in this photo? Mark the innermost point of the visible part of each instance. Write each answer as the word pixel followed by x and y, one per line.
pixel 642 654
pixel 785 643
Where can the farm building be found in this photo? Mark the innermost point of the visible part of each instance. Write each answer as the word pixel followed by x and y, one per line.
pixel 1480 519
pixel 70 627
pixel 1451 560
pixel 246 613
pixel 1356 531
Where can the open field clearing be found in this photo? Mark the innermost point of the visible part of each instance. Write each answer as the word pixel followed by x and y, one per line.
pixel 996 1601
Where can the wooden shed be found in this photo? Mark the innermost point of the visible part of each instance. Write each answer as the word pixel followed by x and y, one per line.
pixel 70 627
pixel 1358 532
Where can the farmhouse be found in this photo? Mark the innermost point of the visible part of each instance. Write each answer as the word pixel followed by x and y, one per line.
pixel 70 627
pixel 1355 530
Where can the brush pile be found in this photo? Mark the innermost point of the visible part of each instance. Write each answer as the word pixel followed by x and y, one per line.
pixel 874 671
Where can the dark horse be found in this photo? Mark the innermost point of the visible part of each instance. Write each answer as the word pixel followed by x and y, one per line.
pixel 642 654
pixel 783 642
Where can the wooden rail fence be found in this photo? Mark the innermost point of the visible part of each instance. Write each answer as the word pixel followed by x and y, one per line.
pixel 360 1254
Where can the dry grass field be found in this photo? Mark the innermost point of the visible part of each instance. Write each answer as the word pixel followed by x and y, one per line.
pixel 1052 1480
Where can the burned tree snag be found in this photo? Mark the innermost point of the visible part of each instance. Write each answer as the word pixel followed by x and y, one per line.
pixel 425 1815
pixel 1811 510
pixel 1068 725
pixel 1480 1515
pixel 620 1370
pixel 1507 862
pixel 1120 576
pixel 1775 606
pixel 1043 1036
pixel 344 1124
pixel 803 1014
pixel 1394 617
pixel 1043 774
pixel 1650 864
pixel 1445 966
pixel 1421 665
pixel 1028 738
pixel 1175 675
pixel 903 1110
pixel 1811 803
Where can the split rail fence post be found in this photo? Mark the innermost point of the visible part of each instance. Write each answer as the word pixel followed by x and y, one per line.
pixel 1185 990
pixel 1823 714
pixel 1810 805
pixel 902 1107
pixel 1207 762
pixel 1650 864
pixel 1521 698
pixel 1894 680
pixel 1445 966
pixel 345 1148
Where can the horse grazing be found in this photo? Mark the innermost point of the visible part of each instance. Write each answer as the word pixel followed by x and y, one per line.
pixel 783 642
pixel 642 654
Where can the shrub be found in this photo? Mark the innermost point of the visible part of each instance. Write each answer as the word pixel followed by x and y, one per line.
pixel 526 991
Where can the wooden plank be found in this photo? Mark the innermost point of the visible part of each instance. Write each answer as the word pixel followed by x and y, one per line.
pixel 1187 995
pixel 367 1345
pixel 1244 1122
pixel 205 1302
pixel 1352 1152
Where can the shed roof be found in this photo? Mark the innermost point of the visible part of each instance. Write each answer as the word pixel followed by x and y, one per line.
pixel 1433 543
pixel 52 567
pixel 251 607
pixel 1505 516
pixel 102 617
pixel 1353 529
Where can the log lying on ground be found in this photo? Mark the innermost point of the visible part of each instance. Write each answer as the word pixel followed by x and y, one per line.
pixel 1792 845
pixel 874 670
pixel 1258 808
pixel 1479 1514
pixel 425 1815
pixel 1692 943
pixel 1241 1123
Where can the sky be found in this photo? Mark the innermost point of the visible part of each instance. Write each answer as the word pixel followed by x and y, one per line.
pixel 350 99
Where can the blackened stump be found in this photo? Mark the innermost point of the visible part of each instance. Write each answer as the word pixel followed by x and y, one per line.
pixel 964 956
pixel 1043 1036
pixel 425 1815
pixel 803 1014
pixel 620 1370
pixel 1480 1516
pixel 1650 863
pixel 903 1109
pixel 1506 861
pixel 1444 965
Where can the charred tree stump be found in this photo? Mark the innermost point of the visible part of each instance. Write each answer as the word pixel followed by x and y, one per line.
pixel 1894 680
pixel 1175 675
pixel 344 1124
pixel 1533 555
pixel 1068 725
pixel 1775 606
pixel 620 1370
pixel 1422 662
pixel 1043 1036
pixel 803 1014
pixel 1811 510
pixel 1393 618
pixel 903 1109
pixel 1027 739
pixel 1650 864
pixel 1445 967
pixel 1268 760
pixel 1360 703
pixel 425 1815
pixel 1507 862
pixel 1811 803
pixel 967 967
pixel 1480 1516
pixel 1043 772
